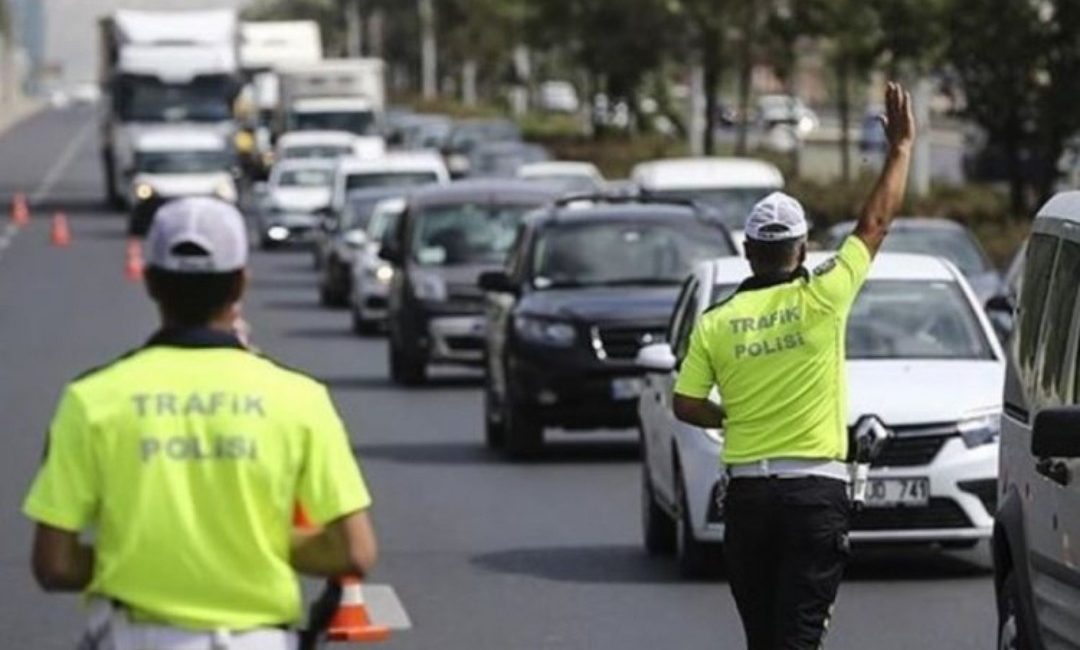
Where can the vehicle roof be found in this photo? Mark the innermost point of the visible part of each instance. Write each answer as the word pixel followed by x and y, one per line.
pixel 886 266
pixel 558 168
pixel 300 138
pixel 303 163
pixel 1064 205
pixel 393 161
pixel 492 190
pixel 700 173
pixel 180 139
pixel 589 211
pixel 907 223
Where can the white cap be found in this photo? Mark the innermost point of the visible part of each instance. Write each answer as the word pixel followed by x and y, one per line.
pixel 213 231
pixel 777 217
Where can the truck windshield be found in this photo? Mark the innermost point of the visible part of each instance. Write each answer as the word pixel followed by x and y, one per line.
pixel 144 99
pixel 181 162
pixel 358 122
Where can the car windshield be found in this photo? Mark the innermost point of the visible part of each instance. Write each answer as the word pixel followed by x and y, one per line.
pixel 468 135
pixel 382 221
pixel 305 178
pixel 320 151
pixel 388 179
pixel 358 122
pixel 954 245
pixel 612 253
pixel 908 319
pixel 466 233
pixel 181 162
pixel 732 205
pixel 358 212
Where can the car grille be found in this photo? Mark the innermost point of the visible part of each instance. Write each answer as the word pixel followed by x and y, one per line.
pixel 620 342
pixel 465 343
pixel 909 452
pixel 941 512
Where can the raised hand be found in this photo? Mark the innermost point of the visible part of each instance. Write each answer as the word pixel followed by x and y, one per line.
pixel 898 120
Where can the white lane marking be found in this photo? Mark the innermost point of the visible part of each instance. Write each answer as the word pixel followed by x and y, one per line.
pixel 67 156
pixel 385 607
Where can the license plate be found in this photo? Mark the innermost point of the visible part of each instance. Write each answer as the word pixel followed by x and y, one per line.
pixel 627 387
pixel 895 492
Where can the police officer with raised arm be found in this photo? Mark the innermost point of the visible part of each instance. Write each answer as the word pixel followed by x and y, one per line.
pixel 186 458
pixel 775 352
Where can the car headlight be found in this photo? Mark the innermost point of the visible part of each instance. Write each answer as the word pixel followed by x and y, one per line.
pixel 981 430
pixel 428 286
pixel 143 191
pixel 225 191
pixel 383 273
pixel 545 332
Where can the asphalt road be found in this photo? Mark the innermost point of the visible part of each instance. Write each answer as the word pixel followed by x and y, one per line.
pixel 484 554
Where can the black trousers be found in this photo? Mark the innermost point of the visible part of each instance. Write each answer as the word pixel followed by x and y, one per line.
pixel 786 545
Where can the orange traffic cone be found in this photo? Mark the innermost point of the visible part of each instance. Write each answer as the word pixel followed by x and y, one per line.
pixel 351 621
pixel 60 236
pixel 20 210
pixel 133 264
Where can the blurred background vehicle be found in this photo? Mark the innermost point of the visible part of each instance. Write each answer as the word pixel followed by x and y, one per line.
pixel 421 131
pixel 447 237
pixel 395 169
pixel 340 240
pixel 290 203
pixel 503 159
pixel 333 95
pixel 729 186
pixel 467 134
pixel 174 162
pixel 571 177
pixel 328 145
pixel 372 275
pixel 588 286
pixel 785 110
pixel 915 326
pixel 558 96
pixel 163 67
pixel 941 237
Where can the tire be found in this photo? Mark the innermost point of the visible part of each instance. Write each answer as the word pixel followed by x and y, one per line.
pixel 1011 633
pixel 494 425
pixel 657 526
pixel 697 560
pixel 406 369
pixel 362 326
pixel 523 436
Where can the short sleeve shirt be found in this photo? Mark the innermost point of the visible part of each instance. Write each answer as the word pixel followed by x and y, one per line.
pixel 776 355
pixel 187 459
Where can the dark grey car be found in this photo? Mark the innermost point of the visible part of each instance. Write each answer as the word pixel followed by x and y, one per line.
pixel 447 237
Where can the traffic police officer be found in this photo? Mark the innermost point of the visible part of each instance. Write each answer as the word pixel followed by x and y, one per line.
pixel 187 457
pixel 775 351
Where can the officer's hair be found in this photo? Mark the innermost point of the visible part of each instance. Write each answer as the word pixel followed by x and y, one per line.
pixel 193 299
pixel 771 257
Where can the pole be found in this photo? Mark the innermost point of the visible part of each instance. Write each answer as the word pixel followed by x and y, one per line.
pixel 921 159
pixel 695 123
pixel 354 47
pixel 428 69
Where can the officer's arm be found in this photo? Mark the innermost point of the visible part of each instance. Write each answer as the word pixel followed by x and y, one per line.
pixel 60 562
pixel 345 546
pixel 702 413
pixel 888 193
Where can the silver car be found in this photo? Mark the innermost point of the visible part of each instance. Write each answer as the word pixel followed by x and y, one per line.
pixel 371 275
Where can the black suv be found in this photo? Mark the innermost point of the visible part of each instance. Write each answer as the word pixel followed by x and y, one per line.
pixel 588 284
pixel 448 236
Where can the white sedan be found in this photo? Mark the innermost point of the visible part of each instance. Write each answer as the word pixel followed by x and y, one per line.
pixel 923 364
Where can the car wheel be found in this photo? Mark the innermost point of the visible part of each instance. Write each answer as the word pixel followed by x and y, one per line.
pixel 494 425
pixel 657 525
pixel 523 436
pixel 697 560
pixel 1009 627
pixel 406 369
pixel 363 326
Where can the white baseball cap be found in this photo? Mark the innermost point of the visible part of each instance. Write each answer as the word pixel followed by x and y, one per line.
pixel 197 235
pixel 777 217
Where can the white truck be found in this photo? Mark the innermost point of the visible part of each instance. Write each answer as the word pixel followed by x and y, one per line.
pixel 164 67
pixel 265 48
pixel 333 95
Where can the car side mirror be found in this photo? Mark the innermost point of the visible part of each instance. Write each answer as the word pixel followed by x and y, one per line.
pixel 656 357
pixel 1056 433
pixel 1000 303
pixel 496 282
pixel 356 238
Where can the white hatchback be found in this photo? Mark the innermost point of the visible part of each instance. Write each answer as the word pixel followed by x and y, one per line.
pixel 923 363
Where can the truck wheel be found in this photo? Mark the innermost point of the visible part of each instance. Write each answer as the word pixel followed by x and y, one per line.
pixel 656 524
pixel 494 425
pixel 697 560
pixel 523 436
pixel 1010 636
pixel 406 369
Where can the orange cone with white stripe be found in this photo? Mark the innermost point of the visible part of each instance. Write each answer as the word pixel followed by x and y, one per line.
pixel 20 210
pixel 60 235
pixel 351 621
pixel 133 262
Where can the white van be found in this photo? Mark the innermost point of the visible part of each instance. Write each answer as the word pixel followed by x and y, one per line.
pixel 395 169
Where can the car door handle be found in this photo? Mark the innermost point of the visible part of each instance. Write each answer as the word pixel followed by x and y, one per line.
pixel 1055 470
